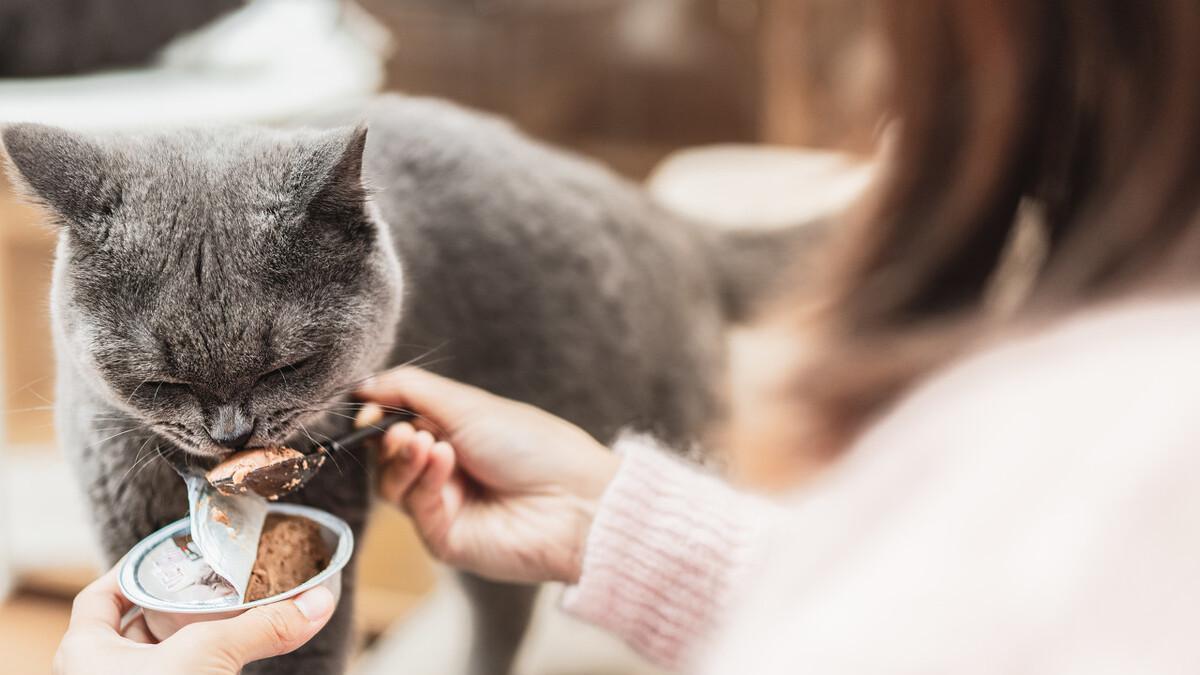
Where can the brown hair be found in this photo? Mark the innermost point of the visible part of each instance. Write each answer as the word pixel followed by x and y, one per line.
pixel 1087 109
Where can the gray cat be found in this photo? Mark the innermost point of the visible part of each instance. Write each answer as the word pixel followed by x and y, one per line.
pixel 226 287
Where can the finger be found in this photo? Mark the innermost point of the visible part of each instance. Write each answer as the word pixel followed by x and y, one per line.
pixel 138 631
pixel 259 633
pixel 395 442
pixel 443 400
pixel 100 604
pixel 423 441
pixel 399 474
pixel 368 416
pixel 454 493
pixel 426 501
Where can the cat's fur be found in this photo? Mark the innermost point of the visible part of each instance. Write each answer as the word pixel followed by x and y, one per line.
pixel 222 257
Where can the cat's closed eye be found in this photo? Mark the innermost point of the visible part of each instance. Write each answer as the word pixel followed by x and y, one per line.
pixel 154 389
pixel 289 369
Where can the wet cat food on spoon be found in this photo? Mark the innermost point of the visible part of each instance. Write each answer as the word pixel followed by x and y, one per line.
pixel 274 472
pixel 268 472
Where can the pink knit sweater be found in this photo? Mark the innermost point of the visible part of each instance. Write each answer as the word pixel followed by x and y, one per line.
pixel 1033 509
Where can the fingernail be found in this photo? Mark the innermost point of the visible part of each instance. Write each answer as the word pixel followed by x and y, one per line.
pixel 369 416
pixel 315 604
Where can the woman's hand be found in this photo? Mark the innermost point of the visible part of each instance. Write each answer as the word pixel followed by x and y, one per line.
pixel 496 487
pixel 93 645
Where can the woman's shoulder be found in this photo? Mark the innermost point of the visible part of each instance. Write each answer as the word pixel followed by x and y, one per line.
pixel 1097 352
pixel 1038 492
pixel 1120 368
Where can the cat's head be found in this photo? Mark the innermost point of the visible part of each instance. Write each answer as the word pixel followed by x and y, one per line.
pixel 218 284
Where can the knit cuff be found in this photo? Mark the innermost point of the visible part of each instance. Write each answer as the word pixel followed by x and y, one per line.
pixel 666 544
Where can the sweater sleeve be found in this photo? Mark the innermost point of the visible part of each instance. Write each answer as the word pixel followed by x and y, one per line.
pixel 667 546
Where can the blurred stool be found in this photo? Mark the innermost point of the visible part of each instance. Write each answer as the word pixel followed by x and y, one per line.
pixel 758 186
pixel 761 186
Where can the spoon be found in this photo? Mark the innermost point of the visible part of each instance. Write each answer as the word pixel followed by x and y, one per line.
pixel 274 472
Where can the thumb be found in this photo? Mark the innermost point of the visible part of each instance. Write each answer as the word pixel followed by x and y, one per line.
pixel 269 630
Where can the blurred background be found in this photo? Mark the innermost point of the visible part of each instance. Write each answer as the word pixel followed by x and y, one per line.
pixel 746 112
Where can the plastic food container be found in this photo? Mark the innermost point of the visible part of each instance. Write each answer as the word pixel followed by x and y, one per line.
pixel 164 617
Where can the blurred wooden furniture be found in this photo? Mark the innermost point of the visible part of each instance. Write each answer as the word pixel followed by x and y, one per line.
pixel 763 187
pixel 25 250
pixel 627 81
pixel 823 68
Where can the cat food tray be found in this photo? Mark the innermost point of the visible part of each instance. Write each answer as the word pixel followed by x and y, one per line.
pixel 165 577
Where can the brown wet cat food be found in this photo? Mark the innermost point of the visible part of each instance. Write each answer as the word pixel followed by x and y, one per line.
pixel 290 552
pixel 269 472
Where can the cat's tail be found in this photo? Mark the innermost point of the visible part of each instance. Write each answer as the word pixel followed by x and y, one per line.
pixel 757 265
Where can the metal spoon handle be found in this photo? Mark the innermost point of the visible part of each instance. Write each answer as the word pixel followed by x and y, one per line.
pixel 358 436
pixel 178 460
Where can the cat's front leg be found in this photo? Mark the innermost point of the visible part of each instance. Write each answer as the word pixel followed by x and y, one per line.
pixel 130 490
pixel 343 488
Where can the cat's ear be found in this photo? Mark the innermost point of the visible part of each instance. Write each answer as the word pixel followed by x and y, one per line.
pixel 63 170
pixel 338 195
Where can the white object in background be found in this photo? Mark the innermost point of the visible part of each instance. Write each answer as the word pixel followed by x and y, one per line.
pixel 271 61
pixel 758 186
pixel 41 507
pixel 432 640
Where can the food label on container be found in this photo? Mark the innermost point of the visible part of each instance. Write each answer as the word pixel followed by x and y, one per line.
pixel 175 571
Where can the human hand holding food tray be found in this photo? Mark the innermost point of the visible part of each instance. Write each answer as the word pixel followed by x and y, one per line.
pixel 237 548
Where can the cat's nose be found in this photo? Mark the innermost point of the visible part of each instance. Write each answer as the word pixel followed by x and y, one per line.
pixel 237 442
pixel 231 429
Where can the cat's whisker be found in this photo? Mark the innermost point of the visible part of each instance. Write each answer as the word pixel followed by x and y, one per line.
pixel 151 457
pixel 137 458
pixel 315 442
pixel 352 385
pixel 354 405
pixel 358 405
pixel 122 433
pixel 135 389
pixel 37 394
pixel 163 455
pixel 108 430
pixel 31 384
pixel 428 352
pixel 36 408
pixel 351 418
pixel 176 434
pixel 333 447
pixel 416 363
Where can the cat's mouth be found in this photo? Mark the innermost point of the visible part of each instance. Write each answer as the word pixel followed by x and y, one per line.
pixel 207 450
pixel 184 443
pixel 295 429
